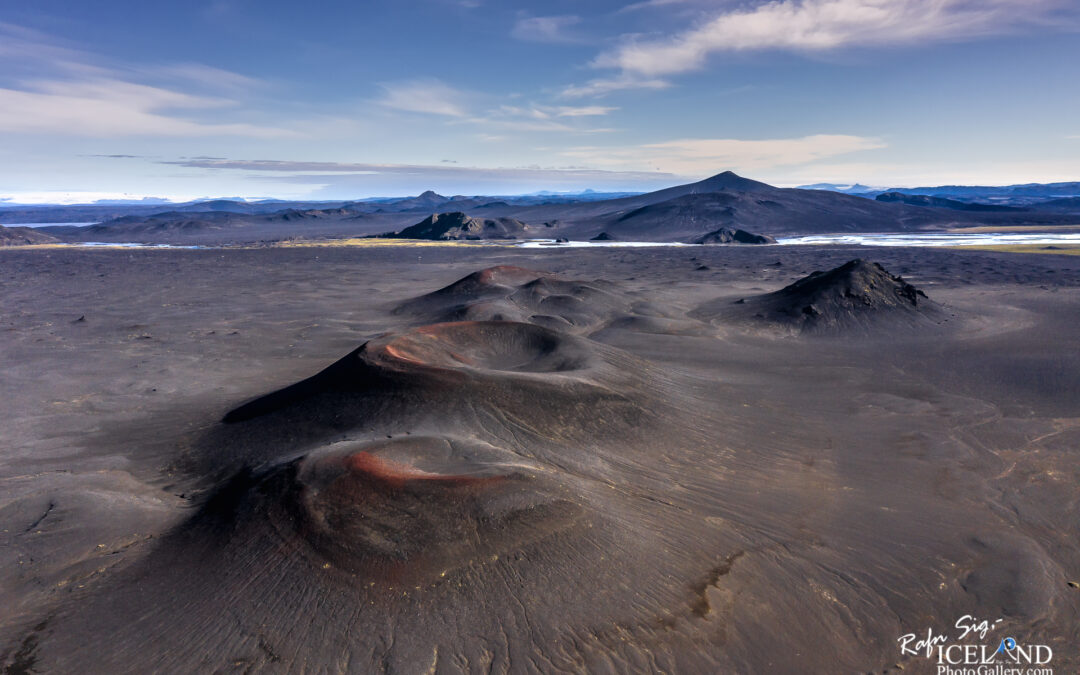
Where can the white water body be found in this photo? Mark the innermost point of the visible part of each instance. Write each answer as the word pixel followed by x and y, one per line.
pixel 125 244
pixel 49 224
pixel 936 239
pixel 876 239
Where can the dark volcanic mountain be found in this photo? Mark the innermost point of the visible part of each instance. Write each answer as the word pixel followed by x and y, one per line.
pixel 687 213
pixel 858 296
pixel 454 226
pixel 24 236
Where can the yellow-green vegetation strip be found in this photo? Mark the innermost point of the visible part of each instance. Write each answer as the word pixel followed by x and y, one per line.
pixel 374 242
pixel 1056 249
pixel 984 229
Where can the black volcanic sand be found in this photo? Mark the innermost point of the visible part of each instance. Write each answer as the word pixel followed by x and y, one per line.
pixel 316 460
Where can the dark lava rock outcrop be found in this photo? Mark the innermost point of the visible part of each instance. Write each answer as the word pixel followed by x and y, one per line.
pixel 456 226
pixel 858 296
pixel 728 236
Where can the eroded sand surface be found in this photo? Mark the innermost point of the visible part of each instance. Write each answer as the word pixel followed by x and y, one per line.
pixel 495 460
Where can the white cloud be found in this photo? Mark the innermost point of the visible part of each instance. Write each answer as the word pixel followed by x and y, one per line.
pixel 605 86
pixel 112 108
pixel 385 179
pixel 651 4
pixel 828 24
pixel 206 77
pixel 917 174
pixel 83 197
pixel 428 96
pixel 545 28
pixel 696 157
pixel 583 111
pixel 541 118
pixel 58 89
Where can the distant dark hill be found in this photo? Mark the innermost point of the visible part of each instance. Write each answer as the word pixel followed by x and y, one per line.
pixel 858 296
pixel 312 214
pixel 137 228
pixel 425 201
pixel 24 236
pixel 1028 194
pixel 1063 205
pixel 223 227
pixel 942 202
pixel 456 226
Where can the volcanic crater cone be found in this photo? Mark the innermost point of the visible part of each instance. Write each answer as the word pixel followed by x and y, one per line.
pixel 409 508
pixel 507 293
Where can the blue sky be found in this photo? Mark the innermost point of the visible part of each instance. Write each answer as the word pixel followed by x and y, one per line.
pixel 337 100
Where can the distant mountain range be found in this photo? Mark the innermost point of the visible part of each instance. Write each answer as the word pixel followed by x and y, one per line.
pixel 856 189
pixel 1030 195
pixel 711 210
pixel 111 209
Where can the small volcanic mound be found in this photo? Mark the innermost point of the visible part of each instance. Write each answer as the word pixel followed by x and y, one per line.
pixel 431 358
pixel 507 293
pixel 421 506
pixel 528 380
pixel 858 296
pixel 483 284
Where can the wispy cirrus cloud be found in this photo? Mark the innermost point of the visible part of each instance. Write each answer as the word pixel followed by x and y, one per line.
pixel 652 4
pixel 383 179
pixel 552 29
pixel 428 96
pixel 706 156
pixel 583 111
pixel 646 62
pixel 106 107
pixel 535 117
pixel 603 86
pixel 55 88
pixel 815 25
